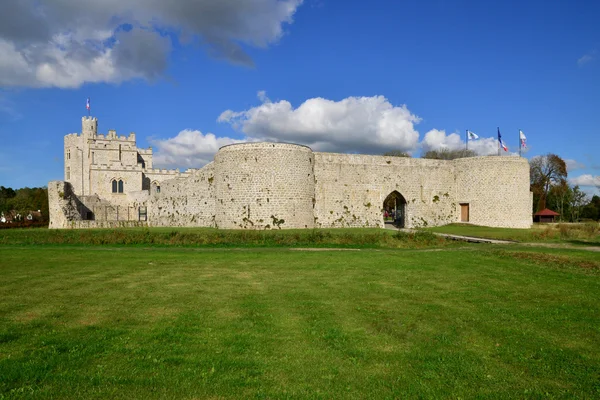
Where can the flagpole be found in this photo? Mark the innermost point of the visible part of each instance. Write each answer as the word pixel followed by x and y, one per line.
pixel 519 143
pixel 467 137
pixel 498 141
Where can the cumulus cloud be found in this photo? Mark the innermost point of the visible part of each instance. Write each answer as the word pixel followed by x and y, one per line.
pixel 189 149
pixel 366 125
pixel 586 180
pixel 573 165
pixel 438 139
pixel 354 124
pixel 65 43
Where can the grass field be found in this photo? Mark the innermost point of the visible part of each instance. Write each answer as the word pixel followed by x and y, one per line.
pixel 210 237
pixel 141 321
pixel 578 234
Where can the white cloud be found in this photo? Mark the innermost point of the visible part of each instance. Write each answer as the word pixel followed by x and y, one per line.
pixel 366 125
pixel 189 149
pixel 354 124
pixel 585 180
pixel 586 58
pixel 573 165
pixel 438 139
pixel 66 43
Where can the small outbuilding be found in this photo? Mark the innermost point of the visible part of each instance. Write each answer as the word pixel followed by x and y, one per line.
pixel 546 215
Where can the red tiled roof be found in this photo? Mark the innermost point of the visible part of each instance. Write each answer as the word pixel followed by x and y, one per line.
pixel 546 212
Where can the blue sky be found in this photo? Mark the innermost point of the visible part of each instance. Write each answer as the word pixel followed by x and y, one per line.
pixel 347 76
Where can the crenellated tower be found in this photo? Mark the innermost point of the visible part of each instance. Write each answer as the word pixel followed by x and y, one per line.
pixel 89 127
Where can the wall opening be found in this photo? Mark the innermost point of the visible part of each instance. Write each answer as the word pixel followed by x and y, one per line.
pixel 394 210
pixel 464 212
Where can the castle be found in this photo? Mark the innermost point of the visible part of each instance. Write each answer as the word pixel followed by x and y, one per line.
pixel 110 182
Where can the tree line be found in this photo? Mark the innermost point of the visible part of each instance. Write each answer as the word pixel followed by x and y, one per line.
pixel 24 200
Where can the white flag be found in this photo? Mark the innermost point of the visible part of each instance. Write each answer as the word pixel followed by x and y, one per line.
pixel 523 139
pixel 472 135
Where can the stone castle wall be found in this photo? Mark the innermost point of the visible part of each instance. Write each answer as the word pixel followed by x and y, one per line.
pixel 264 185
pixel 188 201
pixel 280 185
pixel 350 189
pixel 496 189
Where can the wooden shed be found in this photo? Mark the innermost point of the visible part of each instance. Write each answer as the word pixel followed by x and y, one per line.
pixel 546 215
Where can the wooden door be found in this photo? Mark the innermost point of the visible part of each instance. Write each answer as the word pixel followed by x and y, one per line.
pixel 464 212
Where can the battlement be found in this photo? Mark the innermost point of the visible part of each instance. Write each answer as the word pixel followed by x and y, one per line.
pixel 83 119
pixel 112 135
pixel 119 167
pixel 162 171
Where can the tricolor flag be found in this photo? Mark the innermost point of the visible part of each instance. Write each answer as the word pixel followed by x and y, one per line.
pixel 523 139
pixel 87 104
pixel 500 142
pixel 472 135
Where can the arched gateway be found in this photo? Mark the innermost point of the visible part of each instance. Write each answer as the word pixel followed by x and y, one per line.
pixel 394 209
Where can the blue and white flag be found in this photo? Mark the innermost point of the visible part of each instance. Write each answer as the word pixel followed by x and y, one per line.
pixel 87 104
pixel 500 142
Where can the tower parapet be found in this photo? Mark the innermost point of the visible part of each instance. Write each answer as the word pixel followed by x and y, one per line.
pixel 89 127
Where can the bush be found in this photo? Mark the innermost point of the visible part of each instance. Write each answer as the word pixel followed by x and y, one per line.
pixel 24 224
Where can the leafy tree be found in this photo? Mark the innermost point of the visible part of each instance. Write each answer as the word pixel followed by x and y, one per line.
pixel 559 199
pixel 545 172
pixel 578 200
pixel 447 154
pixel 24 200
pixel 592 209
pixel 396 153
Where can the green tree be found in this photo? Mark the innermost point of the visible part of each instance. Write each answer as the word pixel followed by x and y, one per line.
pixel 447 154
pixel 592 209
pixel 545 172
pixel 559 199
pixel 5 195
pixel 578 200
pixel 25 200
pixel 396 153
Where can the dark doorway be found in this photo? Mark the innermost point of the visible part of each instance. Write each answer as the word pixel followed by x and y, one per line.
pixel 394 210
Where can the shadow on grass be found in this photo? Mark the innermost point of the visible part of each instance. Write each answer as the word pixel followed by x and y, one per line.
pixel 583 243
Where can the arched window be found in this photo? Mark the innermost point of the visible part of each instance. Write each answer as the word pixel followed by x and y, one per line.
pixel 114 186
pixel 156 187
pixel 120 186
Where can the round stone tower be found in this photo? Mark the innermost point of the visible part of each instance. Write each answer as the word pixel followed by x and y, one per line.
pixel 264 185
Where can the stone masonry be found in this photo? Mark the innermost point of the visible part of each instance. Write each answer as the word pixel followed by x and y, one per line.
pixel 280 185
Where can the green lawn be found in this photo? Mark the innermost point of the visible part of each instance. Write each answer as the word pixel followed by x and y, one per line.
pixel 584 234
pixel 210 237
pixel 170 322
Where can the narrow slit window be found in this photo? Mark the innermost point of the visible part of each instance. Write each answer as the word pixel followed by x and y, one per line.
pixel 120 186
pixel 114 186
